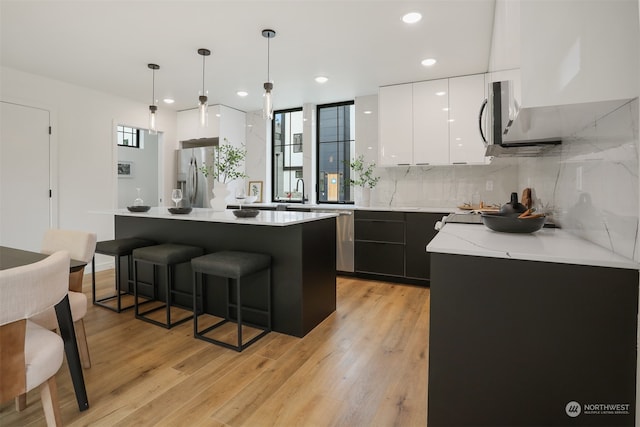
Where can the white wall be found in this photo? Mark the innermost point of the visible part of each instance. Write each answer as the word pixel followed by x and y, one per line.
pixel 144 162
pixel 85 135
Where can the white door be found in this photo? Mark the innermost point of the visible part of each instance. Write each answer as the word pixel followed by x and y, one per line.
pixel 24 176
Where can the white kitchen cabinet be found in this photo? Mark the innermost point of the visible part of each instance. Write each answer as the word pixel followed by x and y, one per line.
pixel 505 40
pixel 578 51
pixel 430 126
pixel 395 125
pixel 466 95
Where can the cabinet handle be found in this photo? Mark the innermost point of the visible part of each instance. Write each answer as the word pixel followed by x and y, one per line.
pixel 423 164
pixel 403 164
pixel 459 163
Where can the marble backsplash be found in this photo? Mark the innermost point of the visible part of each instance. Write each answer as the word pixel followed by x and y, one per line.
pixel 445 186
pixel 589 184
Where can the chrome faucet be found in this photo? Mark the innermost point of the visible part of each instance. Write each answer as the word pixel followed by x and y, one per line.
pixel 300 180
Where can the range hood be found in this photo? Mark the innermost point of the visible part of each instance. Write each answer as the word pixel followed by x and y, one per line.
pixel 200 142
pixel 527 132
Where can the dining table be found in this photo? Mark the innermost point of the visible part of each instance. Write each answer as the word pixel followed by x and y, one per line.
pixel 13 257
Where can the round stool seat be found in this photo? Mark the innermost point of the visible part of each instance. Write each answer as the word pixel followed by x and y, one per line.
pixel 120 247
pixel 167 253
pixel 231 264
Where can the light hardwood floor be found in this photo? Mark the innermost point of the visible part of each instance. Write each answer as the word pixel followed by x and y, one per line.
pixel 365 365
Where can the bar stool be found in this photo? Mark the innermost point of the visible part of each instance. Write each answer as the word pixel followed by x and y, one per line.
pixel 166 255
pixel 231 265
pixel 117 248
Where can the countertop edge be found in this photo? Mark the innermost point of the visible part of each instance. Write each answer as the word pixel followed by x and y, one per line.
pixel 550 245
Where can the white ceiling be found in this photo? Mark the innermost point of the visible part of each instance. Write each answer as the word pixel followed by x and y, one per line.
pixel 359 45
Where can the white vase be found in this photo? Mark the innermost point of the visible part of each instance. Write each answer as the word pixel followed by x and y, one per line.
pixel 362 196
pixel 220 193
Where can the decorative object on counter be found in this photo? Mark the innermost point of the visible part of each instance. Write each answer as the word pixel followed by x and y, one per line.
pixel 138 200
pixel 365 180
pixel 246 213
pixel 255 190
pixel 267 110
pixel 220 193
pixel 180 211
pixel 138 208
pixel 176 196
pixel 513 208
pixel 527 200
pixel 227 161
pixel 203 103
pixel 153 107
pixel 508 223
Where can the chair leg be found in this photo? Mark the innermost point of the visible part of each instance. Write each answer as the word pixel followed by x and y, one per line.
pixel 50 403
pixel 83 348
pixel 21 402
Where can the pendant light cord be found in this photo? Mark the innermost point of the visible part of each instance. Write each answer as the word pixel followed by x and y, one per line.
pixel 153 87
pixel 268 56
pixel 203 57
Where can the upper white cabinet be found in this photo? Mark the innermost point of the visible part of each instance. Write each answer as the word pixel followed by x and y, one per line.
pixel 466 95
pixel 224 122
pixel 569 52
pixel 430 126
pixel 432 122
pixel 395 125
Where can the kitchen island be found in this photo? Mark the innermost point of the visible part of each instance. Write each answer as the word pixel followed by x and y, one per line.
pixel 530 330
pixel 302 246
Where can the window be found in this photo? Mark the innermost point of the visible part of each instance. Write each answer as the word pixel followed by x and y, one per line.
pixel 287 155
pixel 128 137
pixel 336 145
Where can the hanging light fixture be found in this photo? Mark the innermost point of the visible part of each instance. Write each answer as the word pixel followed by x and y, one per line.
pixel 203 103
pixel 153 108
pixel 267 110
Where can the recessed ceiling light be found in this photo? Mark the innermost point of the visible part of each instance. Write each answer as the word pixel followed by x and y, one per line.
pixel 428 62
pixel 321 79
pixel 451 120
pixel 412 17
pixel 168 100
pixel 366 112
pixel 441 93
pixel 369 148
pixel 445 109
pixel 242 93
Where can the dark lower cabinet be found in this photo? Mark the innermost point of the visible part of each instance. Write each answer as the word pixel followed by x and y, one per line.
pixel 420 231
pixel 394 244
pixel 527 344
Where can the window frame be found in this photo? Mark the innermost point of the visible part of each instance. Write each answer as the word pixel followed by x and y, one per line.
pixel 135 133
pixel 274 170
pixel 347 169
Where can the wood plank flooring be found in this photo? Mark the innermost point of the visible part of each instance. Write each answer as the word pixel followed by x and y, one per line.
pixel 365 365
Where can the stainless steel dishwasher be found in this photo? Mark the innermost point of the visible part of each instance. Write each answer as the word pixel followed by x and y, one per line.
pixel 344 239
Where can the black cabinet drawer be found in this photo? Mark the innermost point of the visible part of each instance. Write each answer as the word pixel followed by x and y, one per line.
pixel 379 258
pixel 420 231
pixel 379 231
pixel 380 215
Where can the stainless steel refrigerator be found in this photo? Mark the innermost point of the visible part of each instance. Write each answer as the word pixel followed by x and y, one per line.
pixel 196 189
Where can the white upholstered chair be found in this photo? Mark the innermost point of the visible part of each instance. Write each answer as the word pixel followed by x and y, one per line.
pixel 31 355
pixel 81 246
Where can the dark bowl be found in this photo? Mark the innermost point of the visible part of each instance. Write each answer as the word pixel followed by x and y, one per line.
pixel 138 208
pixel 511 223
pixel 246 213
pixel 180 210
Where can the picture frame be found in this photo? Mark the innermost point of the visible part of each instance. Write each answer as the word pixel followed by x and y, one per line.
pixel 125 169
pixel 255 189
pixel 297 143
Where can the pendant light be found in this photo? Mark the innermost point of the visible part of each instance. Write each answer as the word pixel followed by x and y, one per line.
pixel 203 103
pixel 153 108
pixel 267 110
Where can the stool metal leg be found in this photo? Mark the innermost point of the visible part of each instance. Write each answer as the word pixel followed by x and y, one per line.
pixel 239 314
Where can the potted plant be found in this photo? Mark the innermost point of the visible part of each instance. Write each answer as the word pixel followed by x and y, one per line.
pixel 363 178
pixel 227 160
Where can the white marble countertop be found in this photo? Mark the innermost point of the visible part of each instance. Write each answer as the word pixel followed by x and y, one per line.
pixel 547 245
pixel 351 207
pixel 267 218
